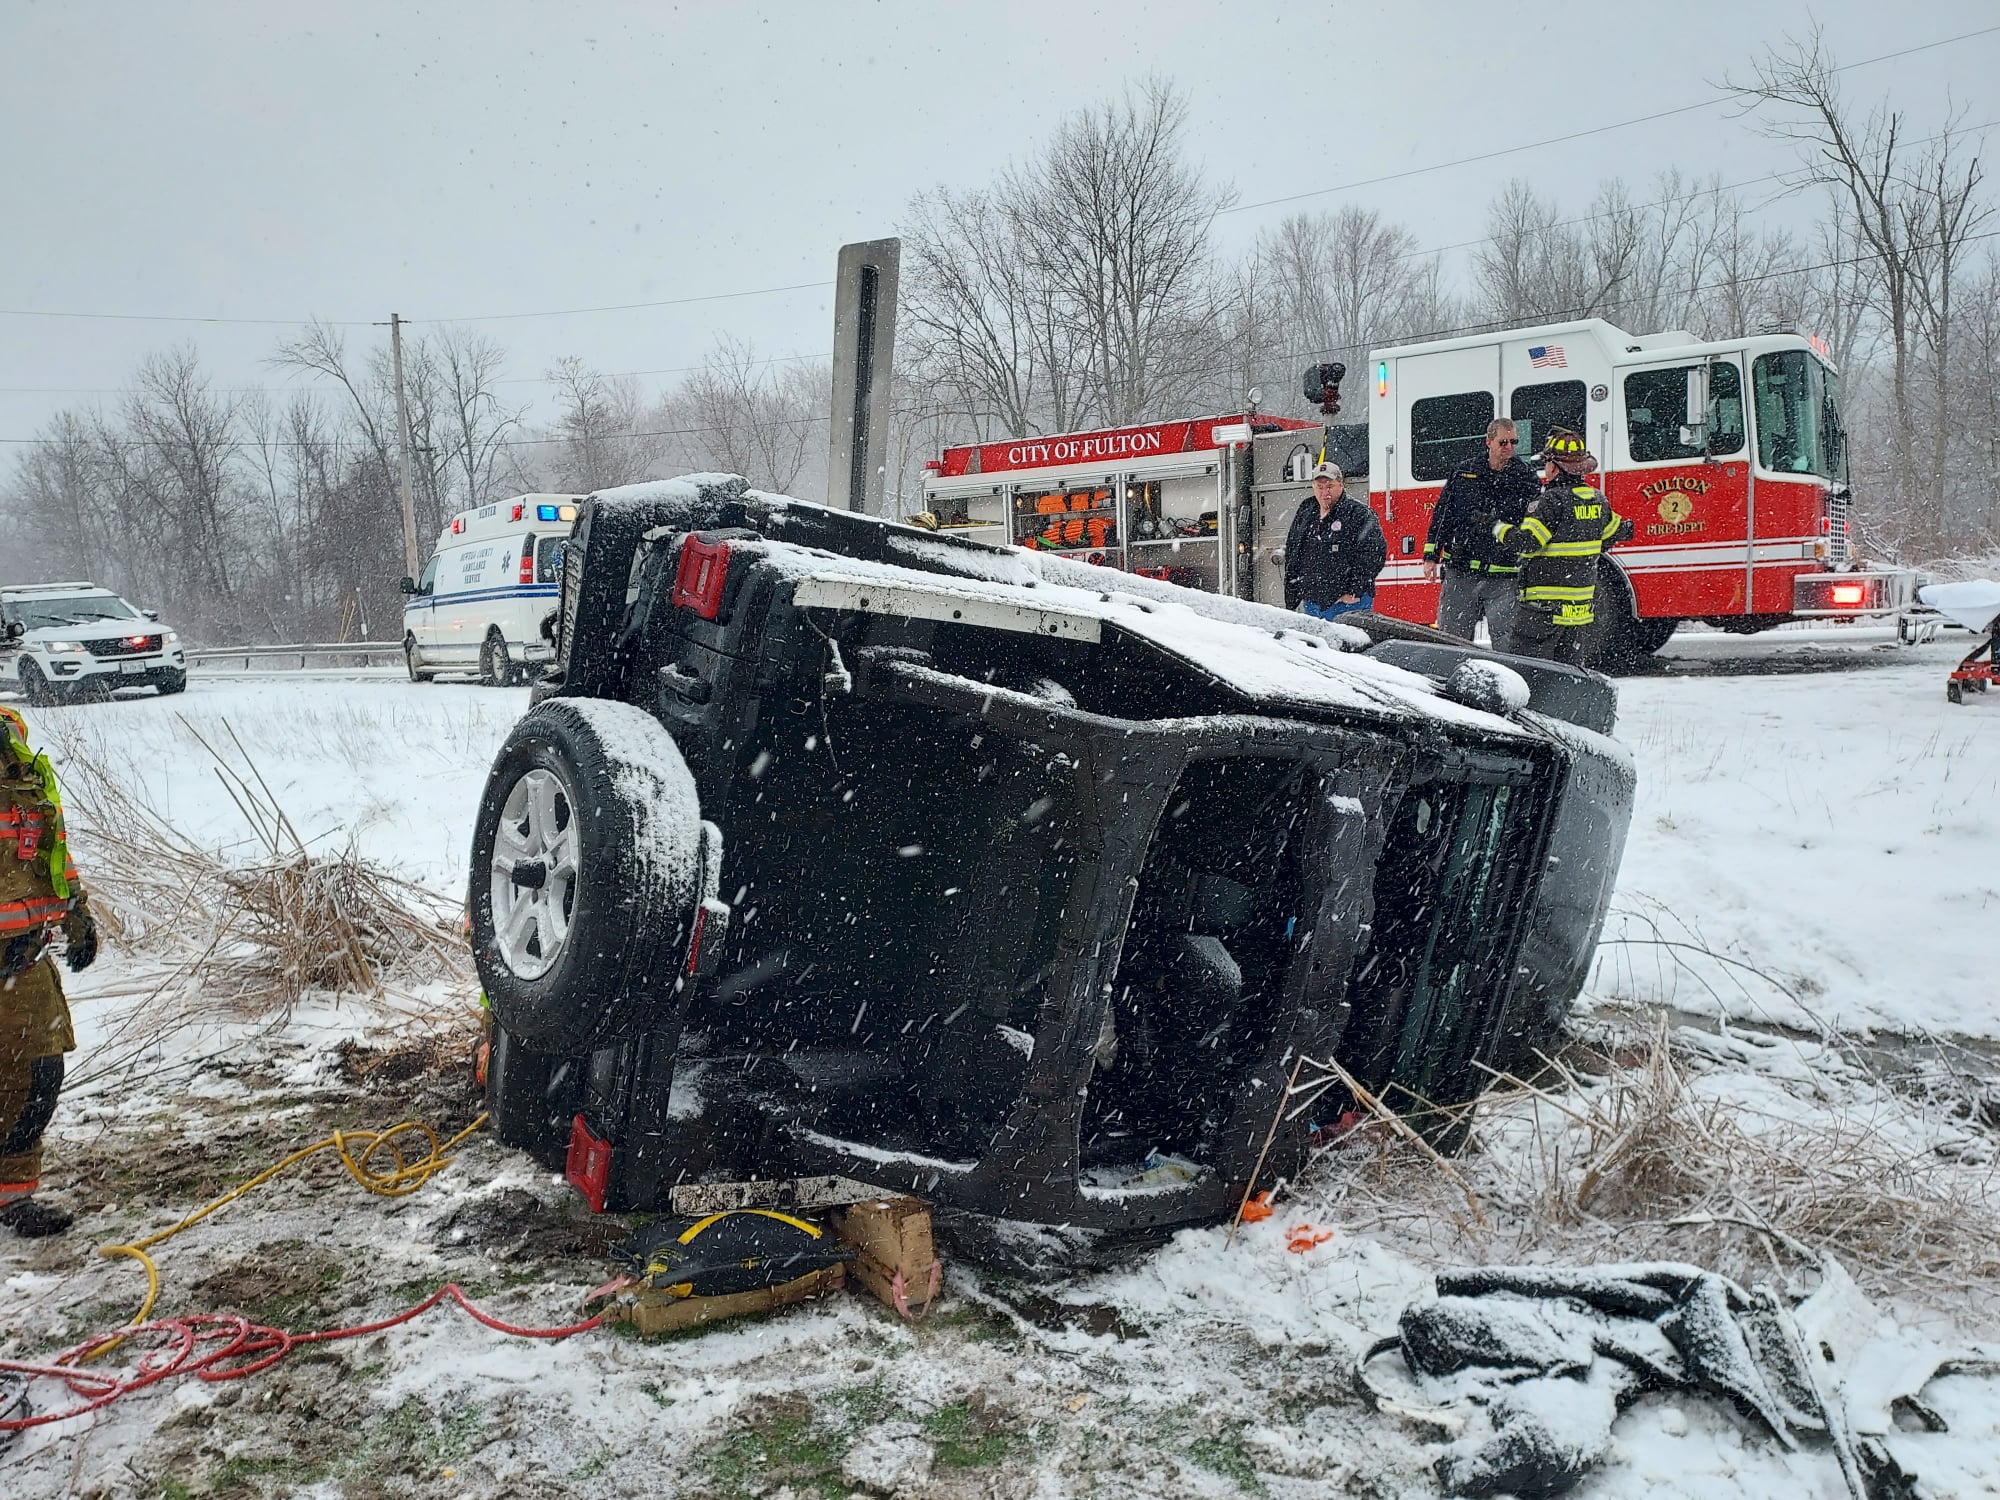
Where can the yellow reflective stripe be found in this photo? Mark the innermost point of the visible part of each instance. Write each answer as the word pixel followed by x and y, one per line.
pixel 1612 525
pixel 1590 548
pixel 1537 530
pixel 688 1234
pixel 1557 594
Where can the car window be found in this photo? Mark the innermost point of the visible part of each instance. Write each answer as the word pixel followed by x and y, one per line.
pixel 1446 430
pixel 429 577
pixel 548 559
pixel 54 613
pixel 1656 407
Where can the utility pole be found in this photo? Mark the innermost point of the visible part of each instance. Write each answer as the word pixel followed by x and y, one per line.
pixel 403 423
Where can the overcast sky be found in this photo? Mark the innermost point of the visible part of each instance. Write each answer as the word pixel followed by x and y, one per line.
pixel 268 160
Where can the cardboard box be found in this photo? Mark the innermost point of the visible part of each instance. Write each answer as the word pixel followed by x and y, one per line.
pixel 897 1260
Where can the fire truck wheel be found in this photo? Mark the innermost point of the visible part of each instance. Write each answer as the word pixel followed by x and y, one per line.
pixel 586 862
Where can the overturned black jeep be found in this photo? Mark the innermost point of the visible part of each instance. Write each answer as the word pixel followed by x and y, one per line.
pixel 835 846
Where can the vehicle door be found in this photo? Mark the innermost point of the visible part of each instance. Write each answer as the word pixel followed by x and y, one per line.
pixel 468 589
pixel 417 624
pixel 1689 505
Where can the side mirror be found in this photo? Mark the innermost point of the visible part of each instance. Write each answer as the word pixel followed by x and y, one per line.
pixel 407 584
pixel 151 614
pixel 1694 432
pixel 12 632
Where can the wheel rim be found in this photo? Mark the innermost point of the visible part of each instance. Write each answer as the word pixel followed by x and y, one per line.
pixel 534 875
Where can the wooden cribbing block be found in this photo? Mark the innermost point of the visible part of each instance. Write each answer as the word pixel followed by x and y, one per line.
pixel 897 1260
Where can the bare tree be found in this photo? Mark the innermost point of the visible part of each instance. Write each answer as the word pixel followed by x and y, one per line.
pixel 1116 223
pixel 476 422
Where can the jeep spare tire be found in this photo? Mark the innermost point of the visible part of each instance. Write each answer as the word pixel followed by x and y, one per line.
pixel 586 873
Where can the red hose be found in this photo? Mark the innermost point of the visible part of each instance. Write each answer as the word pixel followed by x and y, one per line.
pixel 244 1349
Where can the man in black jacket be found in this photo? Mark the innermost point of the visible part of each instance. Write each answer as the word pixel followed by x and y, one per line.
pixel 1477 574
pixel 1333 550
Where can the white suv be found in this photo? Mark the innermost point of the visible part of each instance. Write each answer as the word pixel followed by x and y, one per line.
pixel 59 640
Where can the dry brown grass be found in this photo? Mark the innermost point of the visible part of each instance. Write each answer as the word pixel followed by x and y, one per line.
pixel 244 935
pixel 1619 1152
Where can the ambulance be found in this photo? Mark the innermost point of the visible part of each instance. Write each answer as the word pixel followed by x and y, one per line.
pixel 479 603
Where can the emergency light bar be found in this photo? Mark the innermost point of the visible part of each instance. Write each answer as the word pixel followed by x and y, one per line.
pixel 1382 378
pixel 555 513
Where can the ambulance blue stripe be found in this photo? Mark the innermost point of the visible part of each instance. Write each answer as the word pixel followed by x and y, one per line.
pixel 537 591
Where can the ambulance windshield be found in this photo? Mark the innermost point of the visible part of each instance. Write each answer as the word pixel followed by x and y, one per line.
pixel 1798 416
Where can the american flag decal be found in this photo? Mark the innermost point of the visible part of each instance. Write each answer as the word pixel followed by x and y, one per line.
pixel 1548 357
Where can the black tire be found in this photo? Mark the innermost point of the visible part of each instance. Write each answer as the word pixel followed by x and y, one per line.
pixel 170 683
pixel 410 660
pixel 1954 693
pixel 624 818
pixel 35 685
pixel 1609 646
pixel 532 1096
pixel 496 667
pixel 1647 636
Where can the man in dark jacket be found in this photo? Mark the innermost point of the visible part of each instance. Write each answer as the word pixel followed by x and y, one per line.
pixel 1333 550
pixel 1476 573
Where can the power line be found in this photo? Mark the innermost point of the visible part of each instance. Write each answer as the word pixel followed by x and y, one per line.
pixel 608 437
pixel 1577 135
pixel 1408 172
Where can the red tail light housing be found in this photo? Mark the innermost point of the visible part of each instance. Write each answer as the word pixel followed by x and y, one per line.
pixel 527 559
pixel 588 1165
pixel 698 579
pixel 1850 593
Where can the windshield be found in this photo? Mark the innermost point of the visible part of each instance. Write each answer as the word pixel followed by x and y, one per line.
pixel 1798 416
pixel 58 613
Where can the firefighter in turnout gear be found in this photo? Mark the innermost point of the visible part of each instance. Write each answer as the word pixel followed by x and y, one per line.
pixel 1566 529
pixel 40 896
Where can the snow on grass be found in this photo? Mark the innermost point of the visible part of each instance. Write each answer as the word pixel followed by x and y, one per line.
pixel 1839 831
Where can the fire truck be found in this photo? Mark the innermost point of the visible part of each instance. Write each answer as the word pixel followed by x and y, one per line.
pixel 1729 458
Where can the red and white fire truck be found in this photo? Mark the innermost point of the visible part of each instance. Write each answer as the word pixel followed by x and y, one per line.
pixel 1729 457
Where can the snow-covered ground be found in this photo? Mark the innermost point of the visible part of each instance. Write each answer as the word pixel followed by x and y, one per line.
pixel 1833 828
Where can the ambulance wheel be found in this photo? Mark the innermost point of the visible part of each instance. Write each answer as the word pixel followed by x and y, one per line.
pixel 410 660
pixel 1954 692
pixel 35 686
pixel 586 867
pixel 496 669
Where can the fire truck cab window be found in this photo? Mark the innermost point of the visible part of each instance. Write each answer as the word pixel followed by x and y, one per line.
pixel 1656 410
pixel 1447 430
pixel 1798 415
pixel 1536 409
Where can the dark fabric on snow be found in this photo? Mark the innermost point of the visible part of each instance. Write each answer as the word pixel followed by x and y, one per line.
pixel 1565 1350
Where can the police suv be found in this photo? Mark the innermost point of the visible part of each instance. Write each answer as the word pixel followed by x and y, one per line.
pixel 480 601
pixel 62 640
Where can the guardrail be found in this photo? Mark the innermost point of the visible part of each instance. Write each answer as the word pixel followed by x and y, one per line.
pixel 361 653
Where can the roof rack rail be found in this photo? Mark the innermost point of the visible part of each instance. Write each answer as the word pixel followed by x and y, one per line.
pixel 31 588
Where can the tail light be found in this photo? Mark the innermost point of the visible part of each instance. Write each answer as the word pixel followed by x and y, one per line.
pixel 527 558
pixel 1849 593
pixel 588 1165
pixel 698 580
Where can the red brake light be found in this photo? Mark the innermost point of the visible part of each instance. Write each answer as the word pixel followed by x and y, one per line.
pixel 1849 593
pixel 588 1165
pixel 527 559
pixel 700 575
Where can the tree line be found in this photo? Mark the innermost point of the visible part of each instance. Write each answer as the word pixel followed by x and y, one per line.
pixel 1083 287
